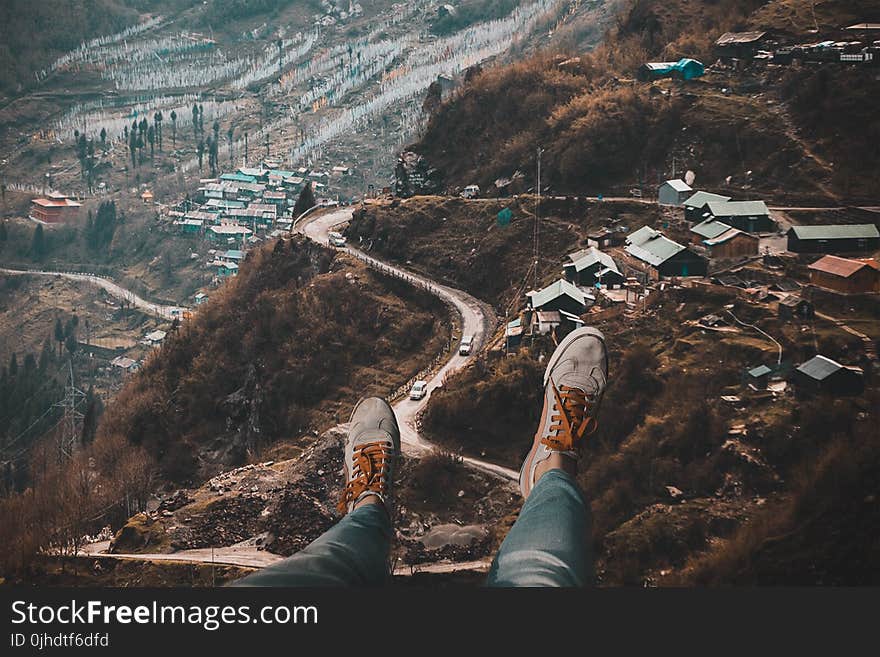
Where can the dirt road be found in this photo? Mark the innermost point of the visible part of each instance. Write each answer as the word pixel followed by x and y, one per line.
pixel 115 290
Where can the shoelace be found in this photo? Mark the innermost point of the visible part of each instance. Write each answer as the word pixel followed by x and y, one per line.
pixel 370 467
pixel 571 420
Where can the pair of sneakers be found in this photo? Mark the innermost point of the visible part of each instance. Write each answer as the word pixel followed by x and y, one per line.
pixel 574 383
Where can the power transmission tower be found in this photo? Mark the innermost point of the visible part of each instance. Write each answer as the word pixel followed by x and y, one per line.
pixel 71 422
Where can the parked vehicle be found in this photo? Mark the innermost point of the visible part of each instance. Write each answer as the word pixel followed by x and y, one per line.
pixel 419 390
pixel 467 343
pixel 471 191
pixel 336 239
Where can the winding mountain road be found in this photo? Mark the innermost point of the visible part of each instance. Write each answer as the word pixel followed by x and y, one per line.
pixel 115 290
pixel 476 321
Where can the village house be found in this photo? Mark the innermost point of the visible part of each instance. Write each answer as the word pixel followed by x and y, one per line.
pixel 848 238
pixel 590 267
pixel 224 268
pixel 200 298
pixel 845 275
pixel 793 306
pixel 190 226
pixel 695 205
pixel 823 375
pixel 663 256
pixel 748 216
pixel 53 209
pixel 758 377
pixel 725 242
pixel 124 363
pixel 154 337
pixel 605 238
pixel 561 295
pixel 674 192
pixel 228 231
pixel 740 45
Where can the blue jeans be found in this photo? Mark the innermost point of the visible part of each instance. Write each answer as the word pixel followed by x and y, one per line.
pixel 547 546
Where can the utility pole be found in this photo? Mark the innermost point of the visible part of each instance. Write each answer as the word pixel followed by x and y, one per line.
pixel 537 234
pixel 72 417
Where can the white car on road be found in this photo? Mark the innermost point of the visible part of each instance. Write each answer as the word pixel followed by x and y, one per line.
pixel 336 239
pixel 419 390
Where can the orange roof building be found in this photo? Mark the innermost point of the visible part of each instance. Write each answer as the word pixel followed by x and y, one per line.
pixel 53 209
pixel 849 276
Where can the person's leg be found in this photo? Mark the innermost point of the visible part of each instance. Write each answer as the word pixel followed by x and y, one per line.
pixel 355 551
pixel 549 542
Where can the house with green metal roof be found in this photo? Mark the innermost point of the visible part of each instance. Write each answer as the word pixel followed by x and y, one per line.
pixel 695 205
pixel 591 266
pixel 707 230
pixel 847 238
pixel 749 216
pixel 561 295
pixel 238 177
pixel 661 257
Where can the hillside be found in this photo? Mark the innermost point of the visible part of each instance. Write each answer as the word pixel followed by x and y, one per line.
pixel 283 349
pixel 603 132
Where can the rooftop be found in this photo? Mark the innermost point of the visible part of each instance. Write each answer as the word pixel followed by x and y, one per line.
pixel 738 208
pixel 727 235
pixel 589 257
pixel 843 267
pixel 700 199
pixel 820 368
pixel 651 246
pixel 555 290
pixel 710 229
pixel 835 232
pixel 679 185
pixel 739 37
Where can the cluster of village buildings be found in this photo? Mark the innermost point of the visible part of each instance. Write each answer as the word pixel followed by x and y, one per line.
pixel 242 208
pixel 857 44
pixel 622 268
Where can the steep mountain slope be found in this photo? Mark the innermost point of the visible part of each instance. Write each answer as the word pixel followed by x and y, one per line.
pixel 286 347
pixel 603 132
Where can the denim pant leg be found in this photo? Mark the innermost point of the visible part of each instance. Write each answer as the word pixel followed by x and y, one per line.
pixel 548 543
pixel 354 552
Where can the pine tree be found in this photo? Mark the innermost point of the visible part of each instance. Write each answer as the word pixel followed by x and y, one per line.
pixel 305 201
pixel 38 246
pixel 59 334
pixel 173 129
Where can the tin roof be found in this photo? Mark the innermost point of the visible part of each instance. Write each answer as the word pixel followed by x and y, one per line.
pixel 710 229
pixel 652 246
pixel 554 291
pixel 737 208
pixel 759 371
pixel 727 235
pixel 739 37
pixel 700 199
pixel 843 267
pixel 678 185
pixel 819 367
pixel 589 257
pixel 836 232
